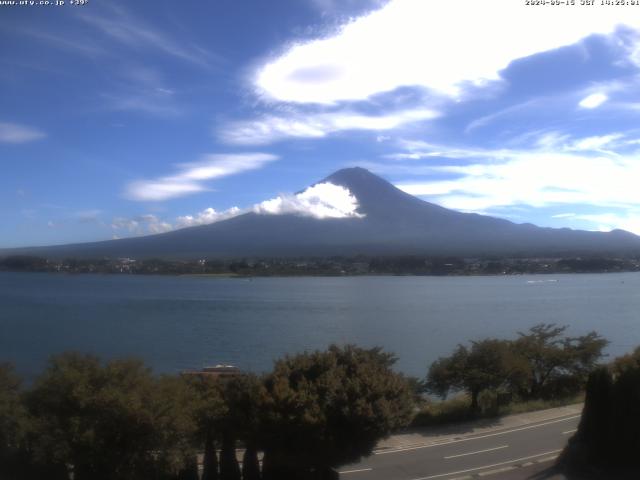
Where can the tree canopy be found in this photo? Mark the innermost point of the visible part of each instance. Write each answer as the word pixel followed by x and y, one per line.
pixel 327 408
pixel 109 420
pixel 487 364
pixel 539 363
pixel 552 357
pixel 13 422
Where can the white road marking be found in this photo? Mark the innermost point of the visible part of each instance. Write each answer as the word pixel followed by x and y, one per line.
pixel 495 471
pixel 449 442
pixel 475 453
pixel 487 466
pixel 570 431
pixel 355 471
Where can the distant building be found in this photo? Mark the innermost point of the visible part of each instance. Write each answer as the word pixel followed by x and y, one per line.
pixel 216 371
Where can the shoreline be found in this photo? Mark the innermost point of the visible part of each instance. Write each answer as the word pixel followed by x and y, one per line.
pixel 315 275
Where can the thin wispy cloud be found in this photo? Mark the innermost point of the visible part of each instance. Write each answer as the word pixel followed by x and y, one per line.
pixel 120 25
pixel 440 46
pixel 610 96
pixel 16 133
pixel 140 225
pixel 151 102
pixel 191 177
pixel 88 216
pixel 488 119
pixel 65 42
pixel 142 89
pixel 271 128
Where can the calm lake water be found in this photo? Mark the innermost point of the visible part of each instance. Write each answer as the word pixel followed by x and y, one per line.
pixel 174 323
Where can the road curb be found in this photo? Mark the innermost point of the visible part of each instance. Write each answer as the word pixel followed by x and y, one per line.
pixel 508 422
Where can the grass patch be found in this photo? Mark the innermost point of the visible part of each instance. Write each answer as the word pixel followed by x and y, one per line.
pixel 535 405
pixel 454 410
pixel 458 409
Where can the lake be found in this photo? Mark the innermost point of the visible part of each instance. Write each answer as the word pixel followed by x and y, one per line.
pixel 175 323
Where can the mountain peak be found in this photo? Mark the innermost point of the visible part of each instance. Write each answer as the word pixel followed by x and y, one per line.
pixel 375 195
pixel 353 176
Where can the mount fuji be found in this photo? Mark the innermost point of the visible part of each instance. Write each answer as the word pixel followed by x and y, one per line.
pixel 372 218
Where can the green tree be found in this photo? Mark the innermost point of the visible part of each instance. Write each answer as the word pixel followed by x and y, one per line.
pixel 108 421
pixel 174 409
pixel 486 365
pixel 550 357
pixel 13 424
pixel 243 396
pixel 228 412
pixel 324 409
pixel 626 362
pixel 211 409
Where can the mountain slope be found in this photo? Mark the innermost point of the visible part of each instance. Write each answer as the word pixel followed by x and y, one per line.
pixel 392 223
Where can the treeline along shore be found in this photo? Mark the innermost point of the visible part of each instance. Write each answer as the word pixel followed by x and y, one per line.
pixel 84 418
pixel 331 266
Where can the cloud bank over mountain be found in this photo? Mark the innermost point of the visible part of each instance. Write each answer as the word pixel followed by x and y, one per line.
pixel 323 200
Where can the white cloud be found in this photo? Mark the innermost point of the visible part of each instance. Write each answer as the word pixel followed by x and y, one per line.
pixel 323 200
pixel 207 216
pixel 141 224
pixel 332 6
pixel 190 177
pixel 550 173
pixel 536 179
pixel 593 101
pixel 595 143
pixel 160 227
pixel 14 133
pixel 161 189
pixel 563 215
pixel 154 224
pixel 605 222
pixel 273 128
pixel 121 223
pixel 441 46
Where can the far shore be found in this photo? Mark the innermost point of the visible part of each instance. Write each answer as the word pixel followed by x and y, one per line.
pixel 360 265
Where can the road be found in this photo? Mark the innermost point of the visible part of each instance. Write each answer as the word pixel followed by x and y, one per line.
pixel 469 456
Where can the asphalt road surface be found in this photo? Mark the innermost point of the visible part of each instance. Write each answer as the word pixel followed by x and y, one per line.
pixel 469 456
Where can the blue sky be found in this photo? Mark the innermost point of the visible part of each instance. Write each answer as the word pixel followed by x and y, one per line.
pixel 130 118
